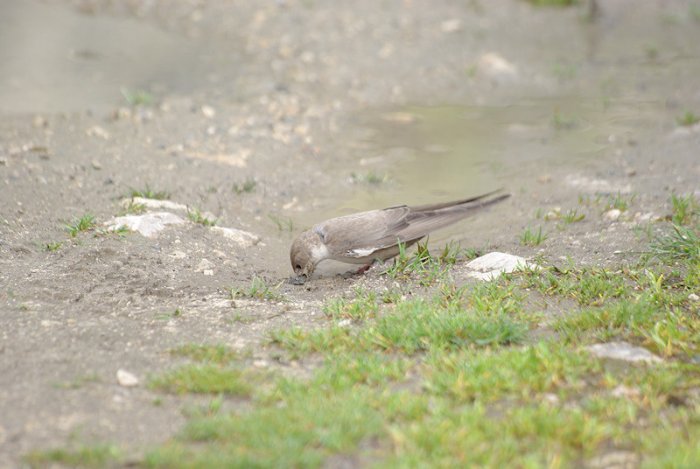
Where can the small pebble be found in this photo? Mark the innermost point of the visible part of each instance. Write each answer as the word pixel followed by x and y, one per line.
pixel 126 379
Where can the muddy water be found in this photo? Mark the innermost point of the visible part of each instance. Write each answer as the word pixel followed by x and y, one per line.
pixel 55 59
pixel 452 151
pixel 419 155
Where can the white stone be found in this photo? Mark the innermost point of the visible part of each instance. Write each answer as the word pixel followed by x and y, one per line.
pixel 693 297
pixel 205 266
pixel 126 379
pixel 178 255
pixel 97 131
pixel 242 238
pixel 208 111
pixel 148 224
pixel 154 204
pixel 450 26
pixel 613 214
pixel 345 323
pixel 496 67
pixel 493 264
pixel 623 351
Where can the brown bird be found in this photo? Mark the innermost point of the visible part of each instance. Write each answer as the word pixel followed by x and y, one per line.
pixel 353 242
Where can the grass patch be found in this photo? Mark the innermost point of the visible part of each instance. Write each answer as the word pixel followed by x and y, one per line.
pixel 148 193
pixel 174 315
pixel 590 286
pixel 195 216
pixel 204 379
pixel 365 305
pixel 618 201
pixel 259 289
pixel 684 210
pixel 370 178
pixel 530 237
pixel 680 244
pixel 688 119
pixel 245 187
pixel 559 120
pixel 572 216
pixel 79 225
pixel 409 327
pixel 133 208
pixel 137 97
pixel 424 267
pixel 52 246
pixel 85 456
pixel 217 354
pixel 302 430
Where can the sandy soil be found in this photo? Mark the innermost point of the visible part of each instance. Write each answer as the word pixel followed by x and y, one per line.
pixel 297 95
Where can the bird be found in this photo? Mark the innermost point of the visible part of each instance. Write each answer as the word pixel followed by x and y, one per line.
pixel 353 242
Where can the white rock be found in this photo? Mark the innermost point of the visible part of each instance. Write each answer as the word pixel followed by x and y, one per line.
pixel 204 266
pixel 623 351
pixel 208 111
pixel 126 379
pixel 613 214
pixel 242 238
pixel 154 204
pixel 345 323
pixel 495 66
pixel 450 26
pixel 693 297
pixel 148 224
pixel 493 264
pixel 97 131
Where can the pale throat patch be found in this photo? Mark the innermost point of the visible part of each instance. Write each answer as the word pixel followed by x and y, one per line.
pixel 319 252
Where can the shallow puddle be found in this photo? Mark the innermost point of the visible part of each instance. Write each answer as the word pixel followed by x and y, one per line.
pixel 424 154
pixel 55 59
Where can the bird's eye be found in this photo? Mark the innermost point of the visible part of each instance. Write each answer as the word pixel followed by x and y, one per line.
pixel 297 267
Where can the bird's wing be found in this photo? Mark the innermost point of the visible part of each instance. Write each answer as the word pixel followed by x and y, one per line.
pixel 361 234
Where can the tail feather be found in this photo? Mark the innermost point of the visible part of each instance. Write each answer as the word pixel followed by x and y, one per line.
pixel 470 202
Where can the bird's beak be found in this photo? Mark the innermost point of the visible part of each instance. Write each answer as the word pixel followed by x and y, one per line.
pixel 298 279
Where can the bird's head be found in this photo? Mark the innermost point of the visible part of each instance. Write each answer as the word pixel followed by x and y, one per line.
pixel 305 254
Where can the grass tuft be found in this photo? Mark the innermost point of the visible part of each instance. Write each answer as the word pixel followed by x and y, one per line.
pixel 148 193
pixel 52 246
pixel 682 243
pixel 137 97
pixel 245 187
pixel 79 225
pixel 85 456
pixel 258 290
pixel 532 238
pixel 684 209
pixel 217 354
pixel 204 379
pixel 195 216
pixel 688 119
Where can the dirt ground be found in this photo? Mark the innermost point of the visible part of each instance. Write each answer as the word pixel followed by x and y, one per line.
pixel 572 112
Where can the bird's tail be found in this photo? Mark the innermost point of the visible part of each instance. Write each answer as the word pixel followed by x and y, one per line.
pixel 479 201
